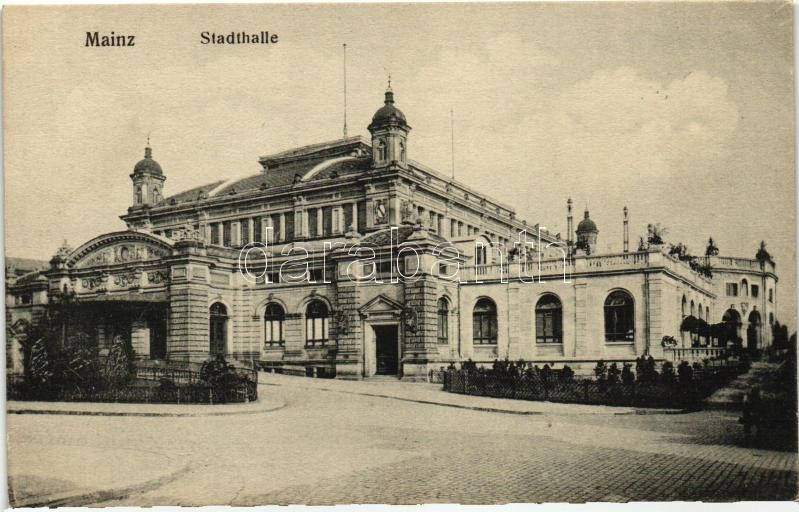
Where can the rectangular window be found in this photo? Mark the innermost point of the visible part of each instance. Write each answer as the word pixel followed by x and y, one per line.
pixel 245 232
pixel 443 327
pixel 732 289
pixel 755 289
pixel 312 223
pixel 327 219
pixel 226 234
pixel 256 230
pixel 347 217
pixel 289 217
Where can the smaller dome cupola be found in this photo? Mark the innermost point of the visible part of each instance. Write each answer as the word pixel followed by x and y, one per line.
pixel 147 164
pixel 389 130
pixel 148 180
pixel 587 234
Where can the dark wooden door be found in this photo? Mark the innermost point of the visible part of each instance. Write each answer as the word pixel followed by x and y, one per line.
pixel 387 352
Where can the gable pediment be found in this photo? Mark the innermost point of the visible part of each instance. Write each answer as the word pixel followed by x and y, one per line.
pixel 381 306
pixel 121 247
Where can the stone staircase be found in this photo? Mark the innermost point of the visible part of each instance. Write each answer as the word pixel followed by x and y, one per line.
pixel 731 395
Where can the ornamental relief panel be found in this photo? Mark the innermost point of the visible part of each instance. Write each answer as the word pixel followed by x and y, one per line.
pixel 122 253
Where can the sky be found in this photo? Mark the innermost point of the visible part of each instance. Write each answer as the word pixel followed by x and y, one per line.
pixel 683 112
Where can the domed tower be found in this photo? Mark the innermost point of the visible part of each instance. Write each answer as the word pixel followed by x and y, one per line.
pixel 586 234
pixel 389 134
pixel 148 181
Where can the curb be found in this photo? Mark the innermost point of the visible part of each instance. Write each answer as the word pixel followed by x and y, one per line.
pixel 77 500
pixel 510 411
pixel 77 412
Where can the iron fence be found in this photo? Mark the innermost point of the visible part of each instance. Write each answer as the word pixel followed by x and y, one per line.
pixel 555 388
pixel 151 384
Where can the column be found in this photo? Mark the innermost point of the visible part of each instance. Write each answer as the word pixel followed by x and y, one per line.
pixel 235 233
pixel 355 217
pixel 282 227
pixel 266 222
pixel 251 230
pixel 395 214
pixel 370 217
pixel 320 222
pixel 301 223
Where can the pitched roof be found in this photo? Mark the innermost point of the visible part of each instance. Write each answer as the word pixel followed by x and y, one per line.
pixel 25 265
pixel 383 237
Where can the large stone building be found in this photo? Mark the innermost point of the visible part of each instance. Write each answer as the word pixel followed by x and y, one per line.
pixel 335 218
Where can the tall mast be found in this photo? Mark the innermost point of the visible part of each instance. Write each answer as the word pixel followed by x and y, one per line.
pixel 345 90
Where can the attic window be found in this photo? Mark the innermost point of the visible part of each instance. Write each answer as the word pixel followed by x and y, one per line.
pixel 264 186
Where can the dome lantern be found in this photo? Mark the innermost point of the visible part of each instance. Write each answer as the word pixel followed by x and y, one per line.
pixel 148 180
pixel 389 130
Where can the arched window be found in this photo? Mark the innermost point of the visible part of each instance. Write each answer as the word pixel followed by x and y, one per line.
pixel 218 329
pixel 156 196
pixel 273 325
pixel 700 311
pixel 684 305
pixel 381 151
pixel 707 313
pixel 484 322
pixel 619 317
pixel 549 320
pixel 744 287
pixel 138 195
pixel 771 294
pixel 693 309
pixel 402 151
pixel 771 318
pixel 316 323
pixel 443 321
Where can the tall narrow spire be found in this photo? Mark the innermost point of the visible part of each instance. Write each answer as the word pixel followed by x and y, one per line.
pixel 345 90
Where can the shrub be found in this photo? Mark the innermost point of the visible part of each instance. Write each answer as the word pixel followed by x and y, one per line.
pixel 120 366
pixel 613 374
pixel 667 373
pixel 566 374
pixel 469 366
pixel 645 370
pixel 166 390
pixel 627 375
pixel 220 376
pixel 685 373
pixel 546 376
pixel 601 371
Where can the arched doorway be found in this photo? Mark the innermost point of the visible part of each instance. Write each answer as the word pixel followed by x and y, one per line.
pixel 753 331
pixel 218 329
pixel 732 323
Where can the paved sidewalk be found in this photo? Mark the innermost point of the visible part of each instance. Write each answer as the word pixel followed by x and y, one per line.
pixel 265 403
pixel 426 393
pixel 46 475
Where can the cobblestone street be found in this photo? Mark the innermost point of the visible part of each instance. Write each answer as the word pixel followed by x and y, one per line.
pixel 334 446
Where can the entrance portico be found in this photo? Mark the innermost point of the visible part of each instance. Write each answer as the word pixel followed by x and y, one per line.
pixel 382 337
